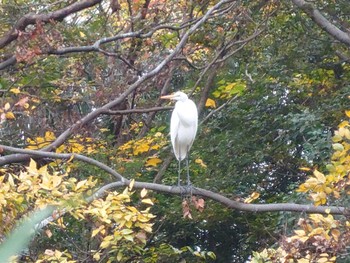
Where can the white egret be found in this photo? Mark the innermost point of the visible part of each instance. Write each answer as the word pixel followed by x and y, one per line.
pixel 183 128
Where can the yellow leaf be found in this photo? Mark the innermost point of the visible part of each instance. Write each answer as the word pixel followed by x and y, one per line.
pixel 131 185
pixel 320 176
pixel 153 161
pixel 49 136
pixel 10 180
pixel 97 230
pixel 58 254
pixel 82 34
pixel 255 195
pixel 10 116
pixel 300 233
pixel 322 260
pixel 147 201
pixel 56 181
pixel 32 167
pixel 200 162
pixel 143 193
pixel 7 106
pixel 252 197
pixel 80 184
pixel 303 260
pixel 144 147
pixel 70 159
pixel 128 224
pixel 35 100
pixel 105 244
pixel 15 90
pixel 76 147
pixel 306 169
pixel 347 113
pixel 126 231
pixel 335 233
pixel 119 256
pixel 97 256
pixel 210 103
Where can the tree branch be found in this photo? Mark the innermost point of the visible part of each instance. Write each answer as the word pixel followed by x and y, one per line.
pixel 131 111
pixel 256 208
pixel 43 154
pixel 179 190
pixel 96 47
pixel 323 22
pixel 30 19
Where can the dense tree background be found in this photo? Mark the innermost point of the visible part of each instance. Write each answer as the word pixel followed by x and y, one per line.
pixel 271 81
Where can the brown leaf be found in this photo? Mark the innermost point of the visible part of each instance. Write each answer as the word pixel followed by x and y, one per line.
pixel 201 204
pixel 22 102
pixel 186 211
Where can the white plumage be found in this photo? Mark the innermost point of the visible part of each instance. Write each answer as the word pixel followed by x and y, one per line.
pixel 183 125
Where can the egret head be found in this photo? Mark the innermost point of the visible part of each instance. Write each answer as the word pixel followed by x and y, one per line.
pixel 179 96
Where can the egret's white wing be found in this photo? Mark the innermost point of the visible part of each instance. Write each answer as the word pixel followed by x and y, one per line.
pixel 174 127
pixel 183 127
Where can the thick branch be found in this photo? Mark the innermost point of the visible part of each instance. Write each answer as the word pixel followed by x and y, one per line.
pixel 257 208
pixel 323 22
pixel 131 111
pixel 178 190
pixel 30 19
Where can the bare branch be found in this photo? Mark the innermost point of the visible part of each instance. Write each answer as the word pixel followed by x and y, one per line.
pixel 30 19
pixel 323 22
pixel 124 112
pixel 8 62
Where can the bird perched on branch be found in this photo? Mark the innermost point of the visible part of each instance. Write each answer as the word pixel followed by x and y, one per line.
pixel 183 128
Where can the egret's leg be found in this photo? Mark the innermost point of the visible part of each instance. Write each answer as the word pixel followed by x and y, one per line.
pixel 179 174
pixel 188 168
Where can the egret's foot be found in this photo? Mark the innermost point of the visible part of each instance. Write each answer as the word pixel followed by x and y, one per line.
pixel 188 188
pixel 183 189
